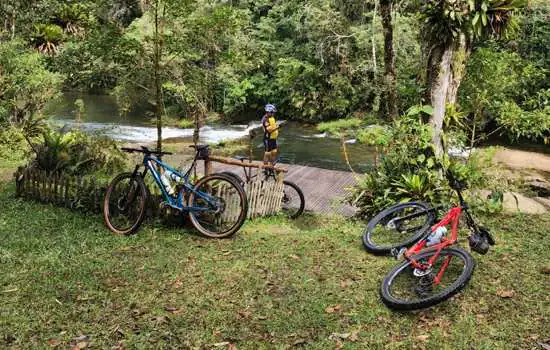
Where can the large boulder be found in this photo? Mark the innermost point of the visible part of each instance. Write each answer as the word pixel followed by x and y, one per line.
pixel 516 202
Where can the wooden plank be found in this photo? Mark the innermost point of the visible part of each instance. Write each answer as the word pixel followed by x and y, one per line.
pixel 249 164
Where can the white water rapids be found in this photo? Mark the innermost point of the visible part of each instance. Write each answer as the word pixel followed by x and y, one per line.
pixel 133 133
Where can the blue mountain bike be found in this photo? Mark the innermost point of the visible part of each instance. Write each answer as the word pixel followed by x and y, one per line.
pixel 216 204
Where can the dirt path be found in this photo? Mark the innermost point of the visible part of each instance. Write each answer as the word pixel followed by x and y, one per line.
pixel 517 159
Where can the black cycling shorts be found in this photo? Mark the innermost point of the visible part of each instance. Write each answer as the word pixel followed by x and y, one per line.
pixel 270 145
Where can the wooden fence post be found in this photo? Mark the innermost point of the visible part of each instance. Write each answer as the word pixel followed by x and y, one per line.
pixel 207 167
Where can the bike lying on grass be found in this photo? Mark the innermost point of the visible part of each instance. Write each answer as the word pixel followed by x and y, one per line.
pixel 293 201
pixel 434 268
pixel 216 204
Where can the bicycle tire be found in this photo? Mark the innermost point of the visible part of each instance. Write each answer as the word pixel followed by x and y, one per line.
pixel 384 217
pixel 233 175
pixel 396 304
pixel 302 205
pixel 107 215
pixel 243 205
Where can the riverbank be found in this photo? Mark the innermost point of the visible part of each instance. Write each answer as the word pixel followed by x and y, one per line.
pixel 523 160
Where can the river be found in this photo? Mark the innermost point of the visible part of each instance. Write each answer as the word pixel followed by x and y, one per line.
pixel 298 144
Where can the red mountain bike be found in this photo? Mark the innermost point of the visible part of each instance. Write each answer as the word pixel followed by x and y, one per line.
pixel 434 268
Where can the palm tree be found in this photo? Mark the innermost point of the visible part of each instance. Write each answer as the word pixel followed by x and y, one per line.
pixel 450 27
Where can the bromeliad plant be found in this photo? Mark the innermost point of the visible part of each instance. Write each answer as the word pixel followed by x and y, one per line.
pixel 408 168
pixel 76 153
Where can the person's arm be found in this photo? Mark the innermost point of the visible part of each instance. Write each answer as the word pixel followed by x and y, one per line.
pixel 271 125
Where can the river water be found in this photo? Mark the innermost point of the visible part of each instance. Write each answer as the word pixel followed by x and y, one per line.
pixel 298 144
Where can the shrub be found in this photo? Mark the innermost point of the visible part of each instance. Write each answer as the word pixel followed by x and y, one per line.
pixel 408 169
pixel 78 153
pixel 13 147
pixel 335 127
pixel 25 84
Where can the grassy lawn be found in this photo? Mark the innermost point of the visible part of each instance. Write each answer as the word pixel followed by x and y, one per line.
pixel 278 284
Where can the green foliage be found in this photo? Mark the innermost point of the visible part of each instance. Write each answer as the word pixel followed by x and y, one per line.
pixel 337 126
pixel 534 38
pixel 445 20
pixel 414 186
pixel 78 154
pixel 97 61
pixel 408 169
pixel 13 146
pixel 501 90
pixel 25 83
pixel 534 125
pixel 375 135
pixel 186 123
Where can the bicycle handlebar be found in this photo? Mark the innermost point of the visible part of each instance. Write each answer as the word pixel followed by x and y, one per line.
pixel 145 150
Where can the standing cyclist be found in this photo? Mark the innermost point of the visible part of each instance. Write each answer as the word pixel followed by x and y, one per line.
pixel 271 132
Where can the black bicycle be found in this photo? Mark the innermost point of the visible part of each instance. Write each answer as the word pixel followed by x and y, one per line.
pixel 217 204
pixel 293 201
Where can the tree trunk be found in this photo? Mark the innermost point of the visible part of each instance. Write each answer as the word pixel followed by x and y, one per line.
pixel 458 65
pixel 445 70
pixel 389 58
pixel 374 66
pixel 438 95
pixel 158 87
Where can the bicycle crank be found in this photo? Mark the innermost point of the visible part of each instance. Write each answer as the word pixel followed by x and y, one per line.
pixel 425 285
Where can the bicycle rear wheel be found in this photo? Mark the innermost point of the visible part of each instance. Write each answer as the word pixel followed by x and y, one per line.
pixel 293 200
pixel 398 226
pixel 218 206
pixel 233 175
pixel 405 288
pixel 125 204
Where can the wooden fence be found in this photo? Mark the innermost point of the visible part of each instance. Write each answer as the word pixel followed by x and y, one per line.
pixel 62 190
pixel 87 194
pixel 264 197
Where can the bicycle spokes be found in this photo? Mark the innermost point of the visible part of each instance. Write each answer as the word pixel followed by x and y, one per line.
pixel 421 283
pixel 217 205
pixel 399 225
pixel 125 203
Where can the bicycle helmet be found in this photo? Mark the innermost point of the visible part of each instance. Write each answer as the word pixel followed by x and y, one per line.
pixel 270 108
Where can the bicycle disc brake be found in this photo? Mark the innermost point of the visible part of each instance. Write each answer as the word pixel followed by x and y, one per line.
pixel 392 225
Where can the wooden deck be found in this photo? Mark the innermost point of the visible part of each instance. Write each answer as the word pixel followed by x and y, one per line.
pixel 323 189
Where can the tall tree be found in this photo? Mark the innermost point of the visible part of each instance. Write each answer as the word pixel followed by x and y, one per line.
pixel 389 59
pixel 158 42
pixel 449 29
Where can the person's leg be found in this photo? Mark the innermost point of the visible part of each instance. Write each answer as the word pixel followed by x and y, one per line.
pixel 267 153
pixel 274 156
pixel 272 151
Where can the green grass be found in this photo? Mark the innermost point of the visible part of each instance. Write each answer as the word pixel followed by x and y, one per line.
pixel 337 126
pixel 278 283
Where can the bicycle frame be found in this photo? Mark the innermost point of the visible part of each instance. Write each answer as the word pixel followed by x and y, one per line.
pixel 452 217
pixel 151 163
pixel 249 176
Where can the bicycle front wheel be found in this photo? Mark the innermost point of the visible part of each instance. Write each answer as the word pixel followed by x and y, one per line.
pixel 125 204
pixel 293 202
pixel 218 206
pixel 398 226
pixel 407 288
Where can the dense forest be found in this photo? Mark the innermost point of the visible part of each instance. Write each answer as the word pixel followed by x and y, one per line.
pixel 467 68
pixel 317 60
